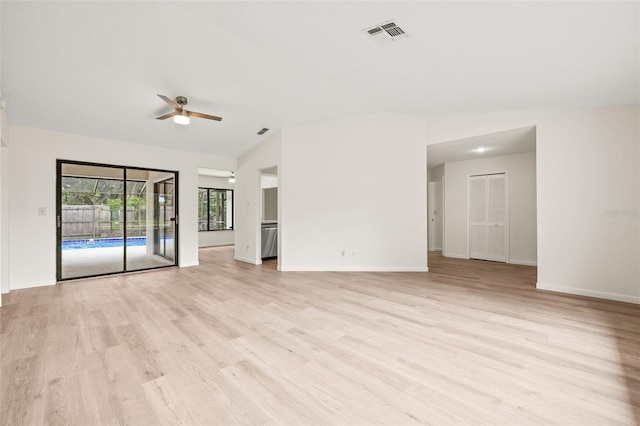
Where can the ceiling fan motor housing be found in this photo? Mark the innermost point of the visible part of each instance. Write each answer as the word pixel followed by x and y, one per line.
pixel 181 100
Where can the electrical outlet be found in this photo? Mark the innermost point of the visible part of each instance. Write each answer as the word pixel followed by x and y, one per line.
pixel 343 252
pixel 353 253
pixel 247 248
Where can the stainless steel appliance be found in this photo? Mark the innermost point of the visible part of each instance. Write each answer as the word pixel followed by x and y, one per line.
pixel 269 240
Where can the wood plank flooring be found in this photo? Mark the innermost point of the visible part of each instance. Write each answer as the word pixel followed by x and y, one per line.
pixel 228 343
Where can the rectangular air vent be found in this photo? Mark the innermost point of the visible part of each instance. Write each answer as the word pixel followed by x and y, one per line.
pixel 386 32
pixel 263 131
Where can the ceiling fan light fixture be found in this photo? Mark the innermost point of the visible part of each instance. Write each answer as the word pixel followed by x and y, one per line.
pixel 182 118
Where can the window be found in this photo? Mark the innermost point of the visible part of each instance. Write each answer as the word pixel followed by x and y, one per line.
pixel 215 209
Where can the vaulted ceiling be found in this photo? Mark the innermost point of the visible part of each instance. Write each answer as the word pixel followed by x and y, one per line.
pixel 94 68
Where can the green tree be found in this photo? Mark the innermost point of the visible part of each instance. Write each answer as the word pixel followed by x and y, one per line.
pixel 114 203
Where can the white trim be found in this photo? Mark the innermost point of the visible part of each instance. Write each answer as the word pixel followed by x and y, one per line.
pixel 246 260
pixel 23 286
pixel 356 269
pixel 523 262
pixel 455 256
pixel 590 293
pixel 442 212
pixel 217 245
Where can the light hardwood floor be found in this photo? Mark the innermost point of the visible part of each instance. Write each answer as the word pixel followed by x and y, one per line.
pixel 228 343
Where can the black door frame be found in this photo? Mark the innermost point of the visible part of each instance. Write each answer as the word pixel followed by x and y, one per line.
pixel 59 164
pixel 156 236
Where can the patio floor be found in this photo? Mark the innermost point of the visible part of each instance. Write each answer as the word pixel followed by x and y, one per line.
pixel 104 260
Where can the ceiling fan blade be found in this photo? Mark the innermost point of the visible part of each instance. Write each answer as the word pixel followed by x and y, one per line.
pixel 164 117
pixel 207 116
pixel 171 102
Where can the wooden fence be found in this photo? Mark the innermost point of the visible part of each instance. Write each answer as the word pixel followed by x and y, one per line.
pixel 79 222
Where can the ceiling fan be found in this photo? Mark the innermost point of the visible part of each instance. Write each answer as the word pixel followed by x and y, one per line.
pixel 181 115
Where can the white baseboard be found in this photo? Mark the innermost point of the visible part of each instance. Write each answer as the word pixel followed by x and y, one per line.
pixel 355 268
pixel 523 262
pixel 590 293
pixel 22 286
pixel 246 260
pixel 455 256
pixel 185 265
pixel 216 245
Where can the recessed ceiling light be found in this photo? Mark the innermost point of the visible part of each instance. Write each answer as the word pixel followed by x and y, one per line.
pixel 481 149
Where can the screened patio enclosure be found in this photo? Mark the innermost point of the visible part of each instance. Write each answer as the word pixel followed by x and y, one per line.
pixel 113 219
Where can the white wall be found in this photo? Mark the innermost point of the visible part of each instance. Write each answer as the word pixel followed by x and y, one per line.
pixel 4 219
pixel 215 238
pixel 32 170
pixel 333 175
pixel 269 204
pixel 522 204
pixel 435 172
pixel 4 203
pixel 588 167
pixel 587 164
pixel 359 185
pixel 248 195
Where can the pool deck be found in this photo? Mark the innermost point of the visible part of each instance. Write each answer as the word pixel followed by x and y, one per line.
pixel 104 260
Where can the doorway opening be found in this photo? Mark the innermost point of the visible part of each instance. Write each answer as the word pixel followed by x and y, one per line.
pixel 269 230
pixel 114 219
pixel 216 190
pixel 436 214
pixel 489 203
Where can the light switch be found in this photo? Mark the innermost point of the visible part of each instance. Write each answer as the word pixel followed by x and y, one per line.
pixel 42 211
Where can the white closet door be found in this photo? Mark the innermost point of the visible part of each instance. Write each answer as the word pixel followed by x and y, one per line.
pixel 477 217
pixel 488 217
pixel 496 218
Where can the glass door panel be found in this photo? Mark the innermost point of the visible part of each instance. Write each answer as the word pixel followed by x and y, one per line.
pixel 150 208
pixel 90 220
pixel 165 219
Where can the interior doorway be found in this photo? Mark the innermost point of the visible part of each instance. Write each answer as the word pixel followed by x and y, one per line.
pixel 507 232
pixel 436 214
pixel 269 226
pixel 114 219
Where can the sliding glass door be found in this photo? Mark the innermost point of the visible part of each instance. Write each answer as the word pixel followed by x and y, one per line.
pixel 165 219
pixel 108 219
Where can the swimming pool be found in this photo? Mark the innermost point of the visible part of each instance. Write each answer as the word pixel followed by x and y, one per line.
pixel 102 243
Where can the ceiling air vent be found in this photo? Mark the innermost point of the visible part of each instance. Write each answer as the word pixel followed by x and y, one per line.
pixel 386 32
pixel 263 131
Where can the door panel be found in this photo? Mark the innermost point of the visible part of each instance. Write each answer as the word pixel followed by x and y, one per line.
pixel 165 219
pixel 496 217
pixel 477 217
pixel 90 220
pixel 488 217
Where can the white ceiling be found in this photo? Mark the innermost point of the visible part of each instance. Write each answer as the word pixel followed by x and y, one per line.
pixel 94 68
pixel 509 142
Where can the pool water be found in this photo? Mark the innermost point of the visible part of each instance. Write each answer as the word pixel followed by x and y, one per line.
pixel 102 243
